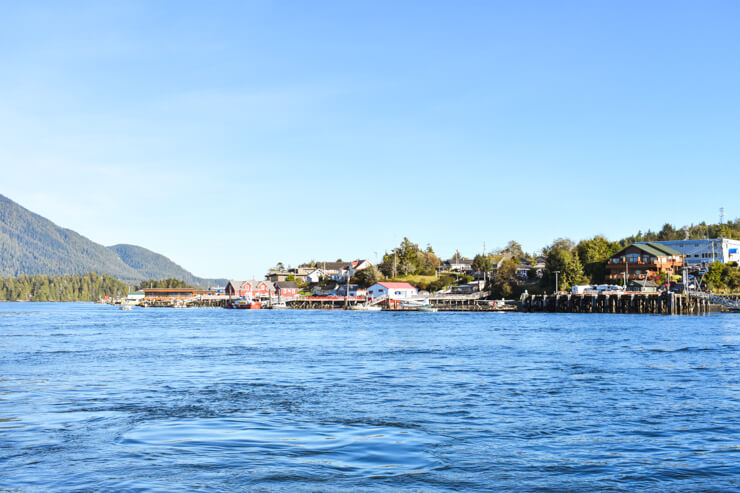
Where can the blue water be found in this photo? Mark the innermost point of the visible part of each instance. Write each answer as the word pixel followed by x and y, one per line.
pixel 94 398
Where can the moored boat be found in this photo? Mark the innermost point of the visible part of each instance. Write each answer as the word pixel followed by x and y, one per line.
pixel 365 308
pixel 246 304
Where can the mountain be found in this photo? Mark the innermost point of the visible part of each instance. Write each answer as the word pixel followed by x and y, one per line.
pixel 152 265
pixel 31 244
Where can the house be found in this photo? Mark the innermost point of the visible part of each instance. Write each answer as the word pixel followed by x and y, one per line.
pixel 522 270
pixel 286 289
pixel 329 289
pixel 457 265
pixel 253 288
pixel 643 261
pixel 394 290
pixel 354 290
pixel 338 271
pixel 298 274
pixel 277 275
pixel 527 267
pixel 473 287
pixel 314 276
pixel 702 253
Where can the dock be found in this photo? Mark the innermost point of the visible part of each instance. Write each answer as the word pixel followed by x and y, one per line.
pixel 656 303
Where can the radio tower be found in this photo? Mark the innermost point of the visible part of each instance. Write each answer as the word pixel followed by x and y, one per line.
pixel 721 215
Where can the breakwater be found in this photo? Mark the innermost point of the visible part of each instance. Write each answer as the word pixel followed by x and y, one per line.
pixel 657 303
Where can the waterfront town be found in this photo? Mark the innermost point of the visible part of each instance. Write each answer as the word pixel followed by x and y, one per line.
pixel 673 276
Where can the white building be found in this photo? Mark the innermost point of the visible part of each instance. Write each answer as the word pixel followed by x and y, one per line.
pixel 394 290
pixel 314 276
pixel 698 252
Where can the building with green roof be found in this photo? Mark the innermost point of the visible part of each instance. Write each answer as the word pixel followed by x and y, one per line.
pixel 644 261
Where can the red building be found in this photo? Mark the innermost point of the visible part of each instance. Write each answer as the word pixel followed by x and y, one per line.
pixel 253 288
pixel 286 289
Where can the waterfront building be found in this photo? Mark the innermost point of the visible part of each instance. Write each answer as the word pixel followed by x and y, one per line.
pixel 253 288
pixel 394 290
pixel 167 293
pixel 644 261
pixel 286 289
pixel 703 252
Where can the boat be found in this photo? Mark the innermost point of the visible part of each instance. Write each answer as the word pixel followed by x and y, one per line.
pixel 366 308
pixel 419 305
pixel 246 304
pixel 126 305
pixel 279 306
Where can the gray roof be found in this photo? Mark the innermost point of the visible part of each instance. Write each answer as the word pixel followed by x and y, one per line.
pixel 459 261
pixel 646 284
pixel 332 265
pixel 286 285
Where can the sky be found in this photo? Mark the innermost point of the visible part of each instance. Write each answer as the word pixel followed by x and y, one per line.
pixel 230 136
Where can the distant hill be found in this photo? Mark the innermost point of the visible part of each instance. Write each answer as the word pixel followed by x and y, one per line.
pixel 152 265
pixel 31 244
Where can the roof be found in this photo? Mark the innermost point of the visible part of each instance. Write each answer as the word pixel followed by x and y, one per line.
pixel 332 265
pixel 665 248
pixel 459 261
pixel 164 290
pixel 396 285
pixel 651 248
pixel 286 285
pixel 646 284
pixel 252 282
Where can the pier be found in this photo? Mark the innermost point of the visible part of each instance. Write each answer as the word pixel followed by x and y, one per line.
pixel 655 303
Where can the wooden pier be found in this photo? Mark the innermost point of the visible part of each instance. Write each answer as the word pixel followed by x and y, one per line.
pixel 656 303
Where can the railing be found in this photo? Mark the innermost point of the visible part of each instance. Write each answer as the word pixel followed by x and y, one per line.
pixel 713 298
pixel 379 299
pixel 473 296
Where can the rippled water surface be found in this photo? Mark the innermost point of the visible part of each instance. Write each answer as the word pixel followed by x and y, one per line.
pixel 94 398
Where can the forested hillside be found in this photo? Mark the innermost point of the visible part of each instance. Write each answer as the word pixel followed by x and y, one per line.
pixel 31 244
pixel 90 287
pixel 152 265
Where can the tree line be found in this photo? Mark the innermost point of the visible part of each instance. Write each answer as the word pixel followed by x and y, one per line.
pixel 75 287
pixel 576 263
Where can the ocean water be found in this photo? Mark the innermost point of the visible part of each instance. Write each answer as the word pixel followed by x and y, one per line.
pixel 97 399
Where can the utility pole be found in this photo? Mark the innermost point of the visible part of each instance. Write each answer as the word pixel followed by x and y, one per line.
pixel 556 280
pixel 346 297
pixel 626 273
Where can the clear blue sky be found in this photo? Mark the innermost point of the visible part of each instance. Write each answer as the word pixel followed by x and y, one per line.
pixel 232 135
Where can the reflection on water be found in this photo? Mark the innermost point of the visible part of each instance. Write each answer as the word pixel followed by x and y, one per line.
pixel 352 449
pixel 92 398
